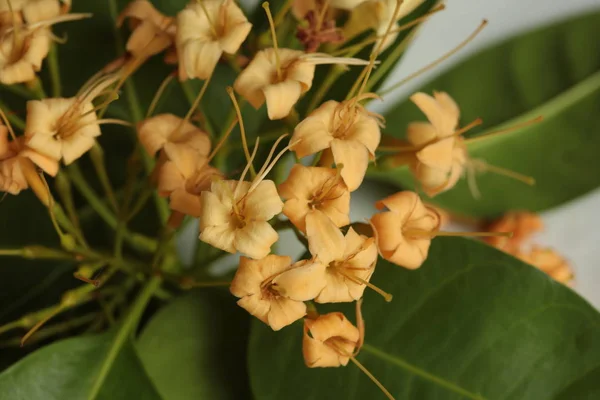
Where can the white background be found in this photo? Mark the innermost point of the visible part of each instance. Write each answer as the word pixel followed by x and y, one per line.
pixel 572 229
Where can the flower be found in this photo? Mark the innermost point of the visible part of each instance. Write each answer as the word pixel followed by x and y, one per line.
pixel 315 189
pixel 33 10
pixel 65 128
pixel 321 25
pixel 350 131
pixel 377 15
pixel 234 216
pixel 402 232
pixel 184 183
pixel 151 31
pixel 253 284
pixel 178 137
pixel 329 340
pixel 347 274
pixel 441 155
pixel 204 31
pixel 12 177
pixel 522 224
pixel 21 57
pixel 550 262
pixel 260 81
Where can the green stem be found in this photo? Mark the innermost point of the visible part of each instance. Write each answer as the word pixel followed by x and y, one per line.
pixel 138 241
pixel 124 334
pixel 37 89
pixel 54 67
pixel 20 91
pixel 189 94
pixel 97 157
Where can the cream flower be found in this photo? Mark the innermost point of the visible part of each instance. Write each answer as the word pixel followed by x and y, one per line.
pixel 22 57
pixel 550 262
pixel 350 131
pixel 522 224
pixel 303 281
pixel 204 31
pixel 378 15
pixel 260 82
pixel 33 10
pixel 346 276
pixel 253 284
pixel 313 189
pixel 329 340
pixel 12 176
pixel 441 155
pixel 402 232
pixel 235 216
pixel 65 128
pixel 178 137
pixel 151 31
pixel 184 183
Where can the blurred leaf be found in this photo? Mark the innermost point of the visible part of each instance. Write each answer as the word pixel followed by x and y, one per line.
pixel 195 348
pixel 68 369
pixel 553 72
pixel 472 322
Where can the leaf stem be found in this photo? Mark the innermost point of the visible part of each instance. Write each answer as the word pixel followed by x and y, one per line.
pixel 126 329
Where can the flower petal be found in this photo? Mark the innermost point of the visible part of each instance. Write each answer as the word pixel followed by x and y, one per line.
pixel 355 158
pixel 325 241
pixel 255 239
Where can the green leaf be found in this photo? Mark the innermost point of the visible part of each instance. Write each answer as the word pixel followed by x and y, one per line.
pixel 67 370
pixel 472 322
pixel 553 72
pixel 195 348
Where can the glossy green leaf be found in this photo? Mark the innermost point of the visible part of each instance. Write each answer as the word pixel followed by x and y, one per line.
pixel 553 72
pixel 195 348
pixel 472 322
pixel 69 368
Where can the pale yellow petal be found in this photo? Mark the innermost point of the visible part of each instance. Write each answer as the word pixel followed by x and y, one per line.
pixel 220 236
pixel 325 240
pixel 303 281
pixel 263 203
pixel 355 159
pixel 255 239
pixel 284 312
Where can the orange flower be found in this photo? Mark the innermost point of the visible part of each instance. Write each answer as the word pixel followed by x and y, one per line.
pixel 205 30
pixel 329 340
pixel 348 274
pixel 393 228
pixel 151 31
pixel 522 224
pixel 178 137
pixel 550 262
pixel 253 284
pixel 12 176
pixel 350 131
pixel 441 154
pixel 65 128
pixel 315 189
pixel 234 217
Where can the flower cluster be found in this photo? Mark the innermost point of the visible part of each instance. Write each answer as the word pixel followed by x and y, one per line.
pixel 333 144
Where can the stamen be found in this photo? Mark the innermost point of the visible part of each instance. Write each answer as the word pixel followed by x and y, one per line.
pixel 265 5
pixel 158 94
pixel 483 166
pixel 375 53
pixel 238 111
pixel 468 127
pixel 62 18
pixel 270 156
pixel 431 234
pixel 262 176
pixel 401 28
pixel 342 352
pixel 506 130
pixel 438 61
pixel 94 282
pixel 387 296
pixel 372 378
pixel 243 175
pixel 322 14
